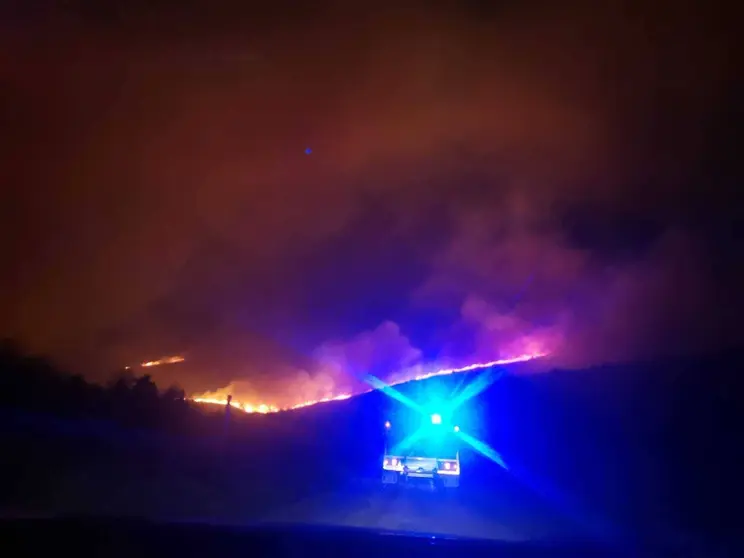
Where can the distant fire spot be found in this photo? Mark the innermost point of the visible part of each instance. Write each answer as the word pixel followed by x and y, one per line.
pixel 164 360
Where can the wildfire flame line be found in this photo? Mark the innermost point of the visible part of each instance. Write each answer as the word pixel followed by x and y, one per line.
pixel 264 408
pixel 164 360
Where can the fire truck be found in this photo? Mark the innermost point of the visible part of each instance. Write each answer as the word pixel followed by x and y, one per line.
pixel 426 453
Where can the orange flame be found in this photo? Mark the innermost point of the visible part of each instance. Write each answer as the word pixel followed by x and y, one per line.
pixel 164 360
pixel 263 408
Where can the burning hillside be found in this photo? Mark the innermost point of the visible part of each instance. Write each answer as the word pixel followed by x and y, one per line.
pixel 220 397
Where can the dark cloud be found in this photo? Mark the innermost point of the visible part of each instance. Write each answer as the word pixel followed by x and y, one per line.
pixel 483 162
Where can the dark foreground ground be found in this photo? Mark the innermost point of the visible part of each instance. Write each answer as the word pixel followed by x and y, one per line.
pixel 501 511
pixel 182 479
pixel 79 471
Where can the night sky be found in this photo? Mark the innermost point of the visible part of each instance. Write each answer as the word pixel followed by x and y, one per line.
pixel 259 187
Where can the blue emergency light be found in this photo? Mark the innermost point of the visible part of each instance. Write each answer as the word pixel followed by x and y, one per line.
pixel 436 419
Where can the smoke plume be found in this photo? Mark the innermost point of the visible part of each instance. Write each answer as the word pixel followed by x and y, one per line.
pixel 489 178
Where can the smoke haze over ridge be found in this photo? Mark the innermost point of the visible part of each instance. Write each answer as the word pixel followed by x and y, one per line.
pixel 481 181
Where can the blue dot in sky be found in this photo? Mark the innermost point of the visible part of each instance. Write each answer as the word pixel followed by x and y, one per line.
pixel 308 151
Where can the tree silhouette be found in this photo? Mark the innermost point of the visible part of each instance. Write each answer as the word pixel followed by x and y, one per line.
pixel 32 383
pixel 174 394
pixel 144 389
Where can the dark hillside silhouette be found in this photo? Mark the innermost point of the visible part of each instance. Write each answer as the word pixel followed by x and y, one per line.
pixel 643 448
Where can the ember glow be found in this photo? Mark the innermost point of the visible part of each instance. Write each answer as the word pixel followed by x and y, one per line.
pixel 164 360
pixel 265 408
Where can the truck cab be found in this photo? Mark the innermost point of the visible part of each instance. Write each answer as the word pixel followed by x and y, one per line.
pixel 428 454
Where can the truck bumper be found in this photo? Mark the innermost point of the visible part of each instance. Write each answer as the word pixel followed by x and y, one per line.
pixel 411 478
pixel 390 477
pixel 449 481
